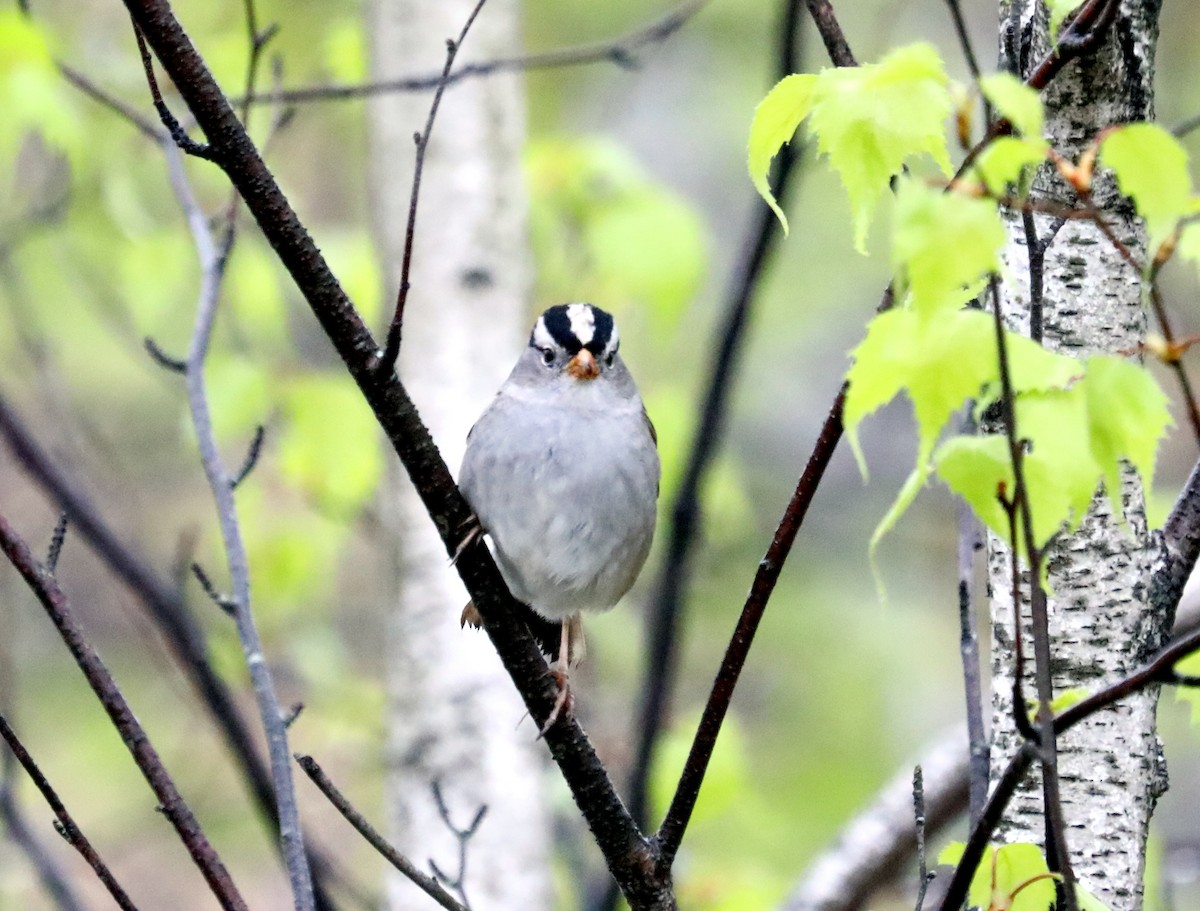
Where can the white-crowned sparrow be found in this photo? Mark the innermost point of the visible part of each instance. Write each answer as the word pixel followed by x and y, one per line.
pixel 562 470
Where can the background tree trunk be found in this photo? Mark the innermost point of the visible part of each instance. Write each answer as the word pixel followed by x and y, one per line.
pixel 1101 625
pixel 454 714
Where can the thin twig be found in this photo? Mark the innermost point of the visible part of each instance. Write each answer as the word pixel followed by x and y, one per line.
pixel 177 132
pixel 969 543
pixel 387 360
pixel 66 824
pixel 1057 855
pixel 423 881
pixel 251 459
pixel 457 882
pixel 126 111
pixel 213 257
pixel 19 832
pixel 130 730
pixel 621 51
pixel 831 33
pixel 164 360
pixel 670 833
pixel 659 670
pixel 923 874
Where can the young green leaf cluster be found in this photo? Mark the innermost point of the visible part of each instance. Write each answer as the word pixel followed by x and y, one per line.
pixel 1078 421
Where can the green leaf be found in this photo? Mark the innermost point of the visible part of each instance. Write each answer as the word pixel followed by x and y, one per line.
pixel 1003 162
pixel 775 121
pixel 33 95
pixel 1017 103
pixel 1059 10
pixel 1127 417
pixel 329 444
pixel 870 119
pixel 944 243
pixel 1188 245
pixel 1011 876
pixel 1151 167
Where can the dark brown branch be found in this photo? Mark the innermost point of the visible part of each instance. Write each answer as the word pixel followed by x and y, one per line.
pixel 134 737
pixel 66 824
pixel 457 882
pixel 423 881
pixel 19 832
pixel 56 544
pixel 831 33
pixel 177 132
pixel 621 51
pixel 670 833
pixel 663 636
pixel 628 853
pixel 387 361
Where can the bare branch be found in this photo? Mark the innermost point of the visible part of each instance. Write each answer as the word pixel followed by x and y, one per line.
pixel 670 833
pixel 426 883
pixel 132 734
pixel 831 33
pixel 164 360
pixel 18 831
pixel 66 824
pixel 628 853
pixel 177 133
pixel 457 882
pixel 252 455
pixel 621 51
pixel 213 256
pixel 387 360
pixel 659 671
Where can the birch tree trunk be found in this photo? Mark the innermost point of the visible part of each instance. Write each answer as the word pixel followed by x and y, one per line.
pixel 1101 626
pixel 453 712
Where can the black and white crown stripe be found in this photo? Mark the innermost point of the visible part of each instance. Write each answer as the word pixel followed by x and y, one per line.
pixel 575 326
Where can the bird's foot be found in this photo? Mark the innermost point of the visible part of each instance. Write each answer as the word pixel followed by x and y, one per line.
pixel 564 701
pixel 470 615
pixel 473 531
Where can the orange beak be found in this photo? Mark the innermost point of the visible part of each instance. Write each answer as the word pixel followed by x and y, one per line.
pixel 583 366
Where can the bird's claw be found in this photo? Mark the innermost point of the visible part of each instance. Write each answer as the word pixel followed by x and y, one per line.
pixel 474 531
pixel 564 701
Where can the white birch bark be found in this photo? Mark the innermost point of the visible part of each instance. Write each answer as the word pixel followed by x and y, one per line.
pixel 453 712
pixel 1101 626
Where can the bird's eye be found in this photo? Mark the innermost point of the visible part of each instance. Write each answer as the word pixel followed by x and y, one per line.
pixel 609 358
pixel 548 356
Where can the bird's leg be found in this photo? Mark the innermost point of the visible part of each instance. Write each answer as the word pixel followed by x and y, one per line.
pixel 559 670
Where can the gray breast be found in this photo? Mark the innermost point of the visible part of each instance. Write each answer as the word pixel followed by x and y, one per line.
pixel 568 498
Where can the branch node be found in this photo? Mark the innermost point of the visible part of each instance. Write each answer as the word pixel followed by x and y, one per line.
pixel 292 714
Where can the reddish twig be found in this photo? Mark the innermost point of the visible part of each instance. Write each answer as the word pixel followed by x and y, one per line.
pixel 66 824
pixel 174 807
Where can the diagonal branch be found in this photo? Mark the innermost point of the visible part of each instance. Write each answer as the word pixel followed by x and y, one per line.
pixel 628 853
pixel 132 734
pixel 387 360
pixel 66 824
pixel 663 625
